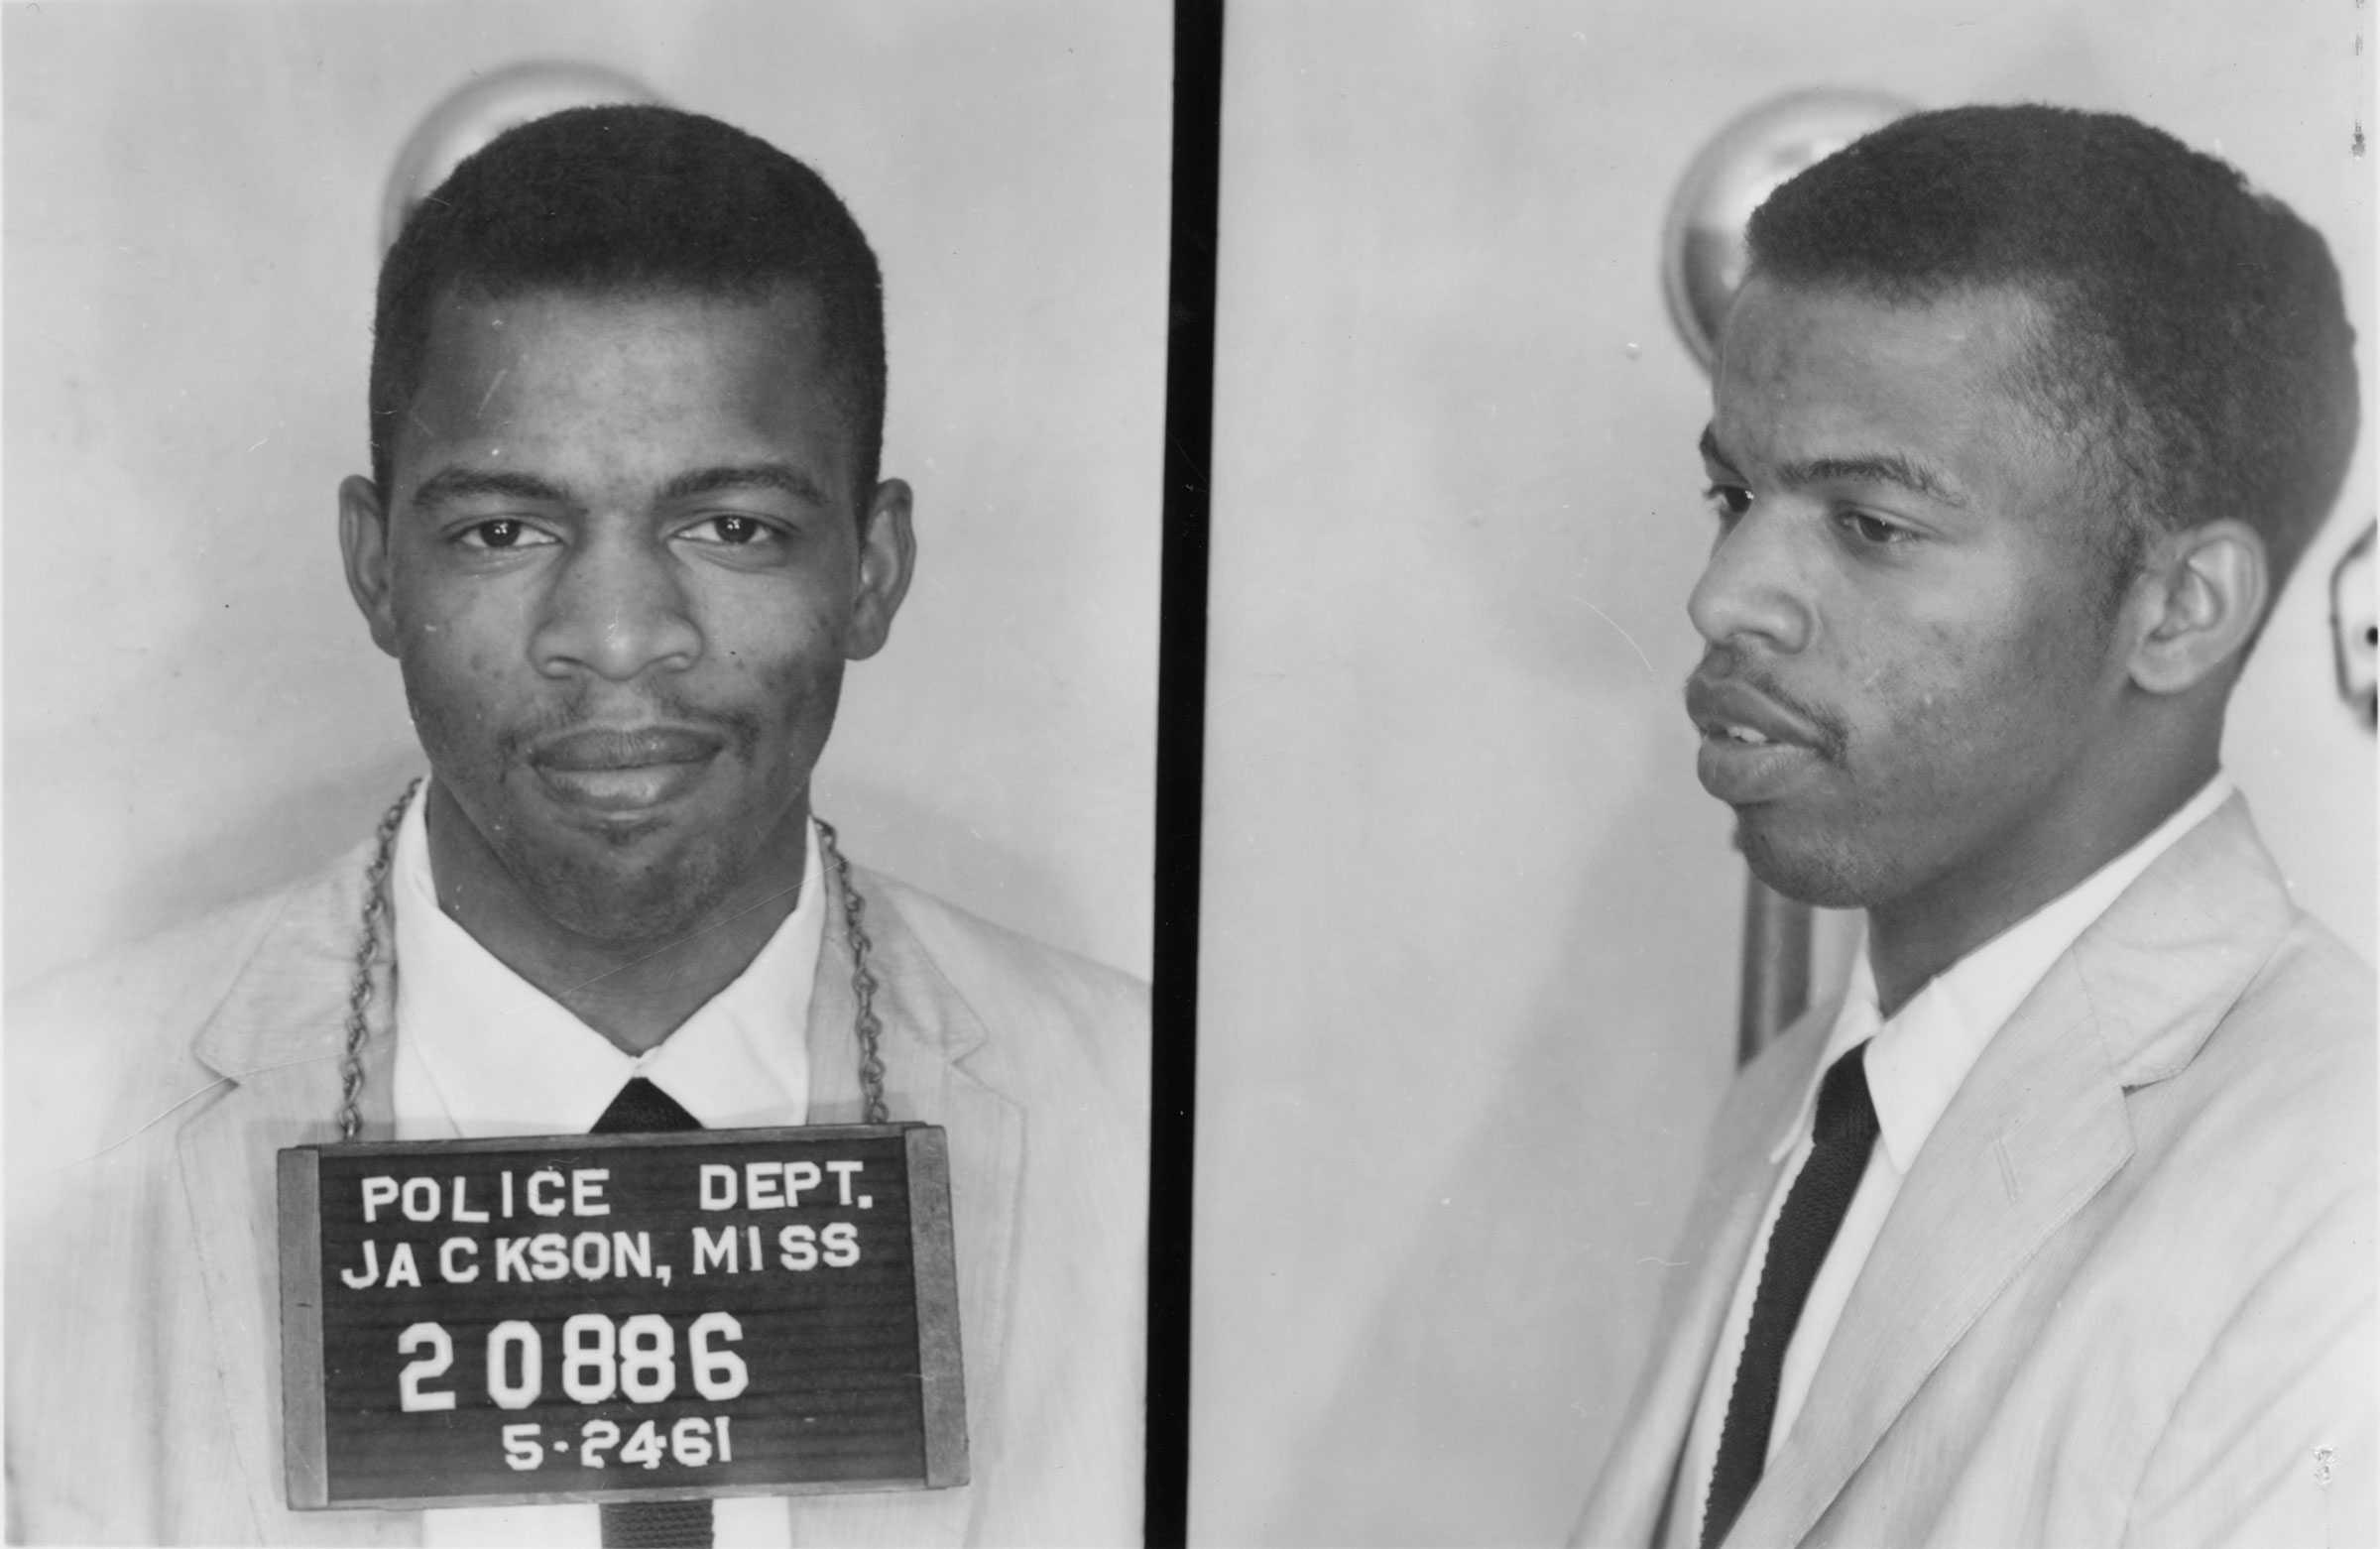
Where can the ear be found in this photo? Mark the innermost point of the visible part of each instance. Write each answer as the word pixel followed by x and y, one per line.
pixel 2203 597
pixel 364 544
pixel 887 555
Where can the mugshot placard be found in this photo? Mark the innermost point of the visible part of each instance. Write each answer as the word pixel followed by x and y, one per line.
pixel 619 1317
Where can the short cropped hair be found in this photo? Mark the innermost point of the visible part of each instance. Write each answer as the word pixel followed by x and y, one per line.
pixel 2196 351
pixel 634 199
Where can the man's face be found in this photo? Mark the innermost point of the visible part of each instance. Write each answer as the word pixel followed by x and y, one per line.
pixel 622 566
pixel 1912 671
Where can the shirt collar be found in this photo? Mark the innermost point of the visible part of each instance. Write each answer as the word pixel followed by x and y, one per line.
pixel 1917 1061
pixel 481 1051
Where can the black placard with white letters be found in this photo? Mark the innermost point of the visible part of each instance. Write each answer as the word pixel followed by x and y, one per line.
pixel 620 1317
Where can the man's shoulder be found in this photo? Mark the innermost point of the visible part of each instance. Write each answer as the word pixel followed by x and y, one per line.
pixel 1022 990
pixel 2222 997
pixel 983 958
pixel 2315 976
pixel 107 1043
pixel 2295 1058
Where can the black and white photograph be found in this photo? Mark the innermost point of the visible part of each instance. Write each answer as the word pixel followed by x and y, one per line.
pixel 580 570
pixel 1478 1187
pixel 1260 774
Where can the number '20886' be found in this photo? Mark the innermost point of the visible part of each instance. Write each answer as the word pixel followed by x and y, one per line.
pixel 635 1358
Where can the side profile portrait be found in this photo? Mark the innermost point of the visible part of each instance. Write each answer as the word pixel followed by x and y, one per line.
pixel 2056 1224
pixel 623 533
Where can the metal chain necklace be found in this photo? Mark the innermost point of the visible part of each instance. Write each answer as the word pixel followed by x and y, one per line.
pixel 376 913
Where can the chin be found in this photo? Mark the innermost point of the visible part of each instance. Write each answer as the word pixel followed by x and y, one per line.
pixel 608 898
pixel 1820 870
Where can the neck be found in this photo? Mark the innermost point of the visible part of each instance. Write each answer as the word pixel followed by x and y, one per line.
pixel 634 992
pixel 1921 935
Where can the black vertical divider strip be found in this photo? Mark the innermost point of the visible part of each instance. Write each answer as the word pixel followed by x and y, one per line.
pixel 1181 743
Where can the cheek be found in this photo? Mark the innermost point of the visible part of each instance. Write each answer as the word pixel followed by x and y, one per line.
pixel 773 667
pixel 800 695
pixel 775 641
pixel 465 683
pixel 457 659
pixel 462 633
pixel 1984 708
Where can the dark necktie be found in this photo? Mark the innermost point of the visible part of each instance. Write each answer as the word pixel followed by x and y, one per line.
pixel 1844 1134
pixel 642 1108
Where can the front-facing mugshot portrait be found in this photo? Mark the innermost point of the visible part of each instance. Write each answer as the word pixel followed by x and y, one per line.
pixel 656 638
pixel 1975 550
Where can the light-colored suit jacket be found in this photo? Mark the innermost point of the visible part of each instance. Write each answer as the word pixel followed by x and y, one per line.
pixel 2126 1295
pixel 148 1095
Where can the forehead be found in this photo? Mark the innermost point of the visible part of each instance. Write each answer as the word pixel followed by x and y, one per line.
pixel 1808 372
pixel 611 383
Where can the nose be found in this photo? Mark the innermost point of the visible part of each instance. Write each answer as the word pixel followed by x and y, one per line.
pixel 1753 586
pixel 615 608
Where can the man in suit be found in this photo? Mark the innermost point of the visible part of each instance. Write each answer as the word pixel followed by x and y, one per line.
pixel 2057 1227
pixel 623 530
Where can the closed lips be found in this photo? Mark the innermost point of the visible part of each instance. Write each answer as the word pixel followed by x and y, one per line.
pixel 593 751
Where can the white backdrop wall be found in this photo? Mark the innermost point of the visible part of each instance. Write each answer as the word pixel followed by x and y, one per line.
pixel 1468 966
pixel 193 192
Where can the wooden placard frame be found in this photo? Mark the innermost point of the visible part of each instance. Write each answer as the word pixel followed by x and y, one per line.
pixel 942 1410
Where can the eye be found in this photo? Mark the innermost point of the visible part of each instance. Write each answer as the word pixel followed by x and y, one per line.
pixel 503 532
pixel 1728 501
pixel 733 531
pixel 1873 531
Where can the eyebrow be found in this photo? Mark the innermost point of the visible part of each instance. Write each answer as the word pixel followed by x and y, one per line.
pixel 1865 468
pixel 462 483
pixel 450 484
pixel 783 477
pixel 1874 468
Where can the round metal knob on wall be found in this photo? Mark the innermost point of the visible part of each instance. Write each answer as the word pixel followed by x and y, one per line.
pixel 1702 243
pixel 481 109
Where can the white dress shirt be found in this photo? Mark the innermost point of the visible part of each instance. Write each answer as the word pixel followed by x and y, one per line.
pixel 1914 1063
pixel 481 1051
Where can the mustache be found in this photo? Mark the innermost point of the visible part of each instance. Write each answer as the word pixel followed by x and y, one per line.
pixel 1727 664
pixel 739 729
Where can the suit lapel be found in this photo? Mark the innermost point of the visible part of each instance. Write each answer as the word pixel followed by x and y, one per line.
pixel 2037 1128
pixel 928 1032
pixel 277 1039
pixel 1638 1478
